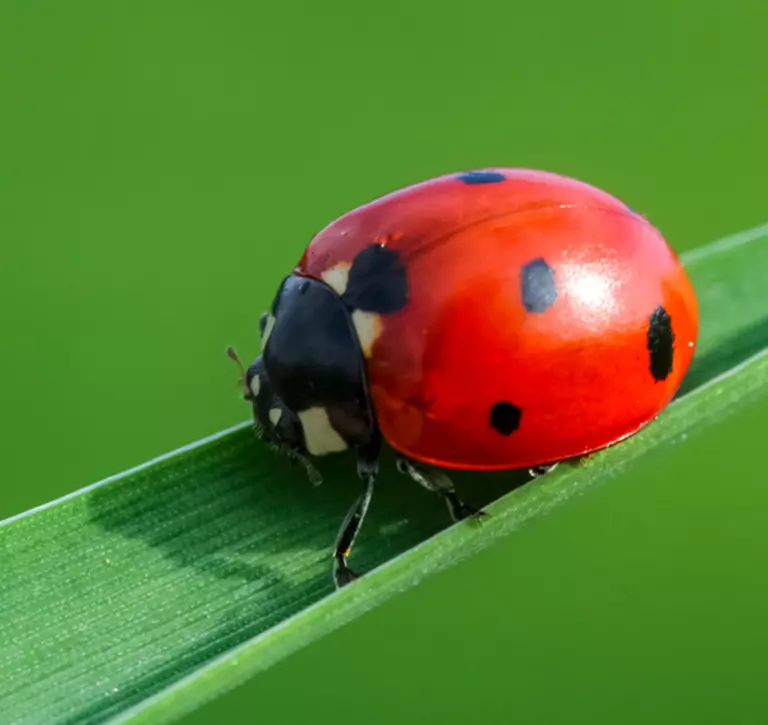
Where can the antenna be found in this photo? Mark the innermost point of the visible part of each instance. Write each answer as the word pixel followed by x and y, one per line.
pixel 243 375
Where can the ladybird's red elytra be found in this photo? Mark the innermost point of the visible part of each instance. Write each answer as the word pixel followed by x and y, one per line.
pixel 483 320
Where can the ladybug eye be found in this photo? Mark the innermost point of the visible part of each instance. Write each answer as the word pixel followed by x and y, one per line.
pixel 263 323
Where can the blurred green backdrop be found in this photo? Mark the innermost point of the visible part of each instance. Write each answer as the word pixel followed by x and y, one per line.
pixel 163 164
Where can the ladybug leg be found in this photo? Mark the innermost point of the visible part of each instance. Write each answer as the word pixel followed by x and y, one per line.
pixel 367 469
pixel 342 574
pixel 438 482
pixel 537 471
pixel 312 473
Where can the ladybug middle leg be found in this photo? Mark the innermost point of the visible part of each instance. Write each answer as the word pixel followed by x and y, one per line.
pixel 438 482
pixel 367 469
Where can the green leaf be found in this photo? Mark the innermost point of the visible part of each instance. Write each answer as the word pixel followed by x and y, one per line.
pixel 142 596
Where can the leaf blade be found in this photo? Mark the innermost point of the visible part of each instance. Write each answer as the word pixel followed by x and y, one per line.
pixel 162 569
pixel 733 391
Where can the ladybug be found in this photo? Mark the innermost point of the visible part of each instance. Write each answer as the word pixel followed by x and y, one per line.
pixel 484 320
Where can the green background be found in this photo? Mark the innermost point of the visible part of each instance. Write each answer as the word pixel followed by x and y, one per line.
pixel 163 164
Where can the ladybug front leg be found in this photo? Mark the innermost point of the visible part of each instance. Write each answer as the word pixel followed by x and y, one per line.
pixel 367 469
pixel 438 482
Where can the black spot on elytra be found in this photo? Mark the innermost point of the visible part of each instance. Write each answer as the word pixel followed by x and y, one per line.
pixel 661 345
pixel 481 177
pixel 377 281
pixel 505 418
pixel 539 290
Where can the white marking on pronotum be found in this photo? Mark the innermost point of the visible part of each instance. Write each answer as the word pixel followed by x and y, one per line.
pixel 337 277
pixel 274 415
pixel 319 435
pixel 368 327
pixel 268 327
pixel 255 386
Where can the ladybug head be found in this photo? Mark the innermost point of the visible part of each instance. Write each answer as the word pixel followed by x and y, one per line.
pixel 275 422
